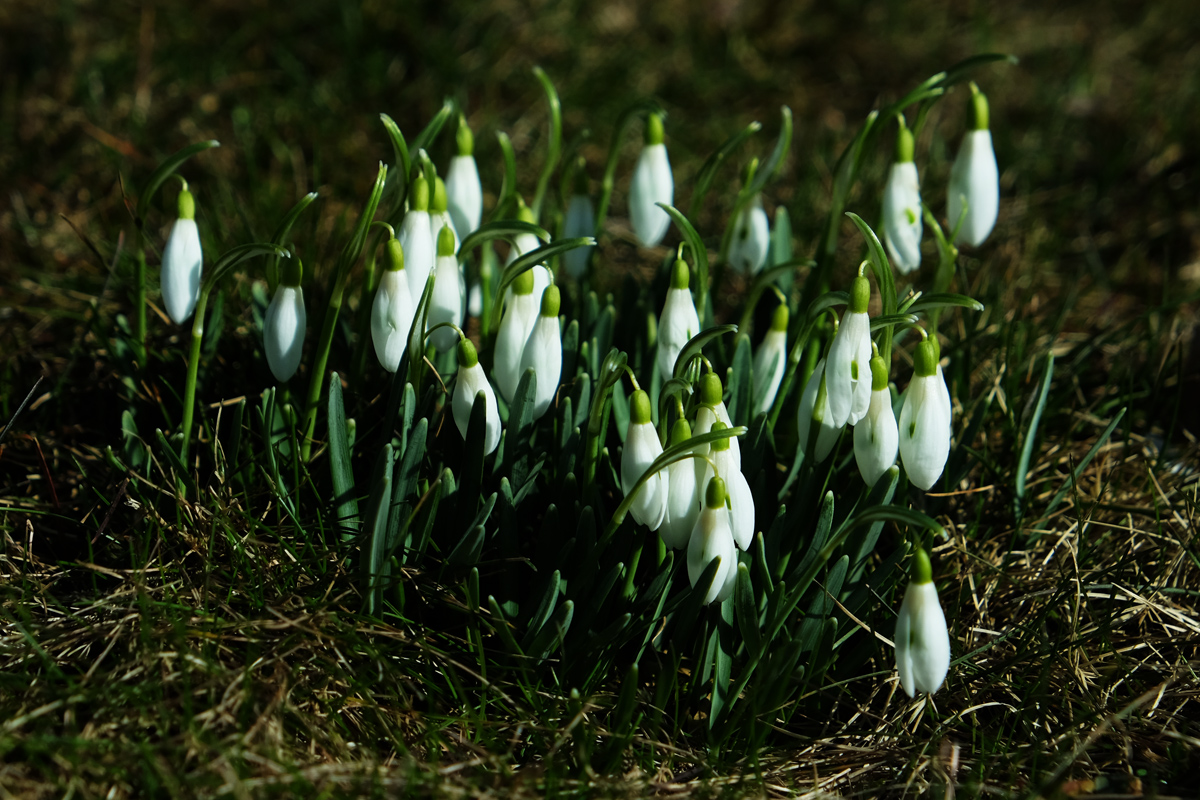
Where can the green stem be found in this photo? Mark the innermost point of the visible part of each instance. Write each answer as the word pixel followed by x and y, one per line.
pixel 193 369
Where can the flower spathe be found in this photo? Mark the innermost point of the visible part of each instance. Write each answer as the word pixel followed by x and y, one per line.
pixel 922 639
pixel 847 368
pixel 974 179
pixel 641 449
pixel 182 262
pixel 284 325
pixel 652 184
pixel 471 381
pixel 392 311
pixel 712 538
pixel 876 437
pixel 925 420
pixel 770 361
pixel 543 353
pixel 678 322
pixel 902 223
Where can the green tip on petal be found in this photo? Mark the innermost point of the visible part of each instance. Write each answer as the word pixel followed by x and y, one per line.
pixel 187 205
pixel 464 138
pixel 525 213
pixel 779 318
pixel 710 389
pixel 467 357
pixel 925 360
pixel 293 270
pixel 551 300
pixel 922 569
pixel 680 275
pixel 979 108
pixel 860 295
pixel 395 252
pixel 879 373
pixel 720 444
pixel 440 202
pixel 654 129
pixel 714 495
pixel 681 431
pixel 445 239
pixel 418 197
pixel 523 283
pixel 639 408
pixel 904 144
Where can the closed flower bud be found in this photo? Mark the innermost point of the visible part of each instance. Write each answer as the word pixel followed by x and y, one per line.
pixel 446 302
pixel 182 262
pixel 285 323
pixel 393 310
pixel 925 420
pixel 876 437
pixel 641 449
pixel 902 225
pixel 520 314
pixel 580 221
pixel 417 240
pixel 683 493
pixel 922 640
pixel 847 370
pixel 652 184
pixel 738 497
pixel 975 179
pixel 712 538
pixel 678 322
pixel 770 361
pixel 751 238
pixel 814 409
pixel 464 193
pixel 470 381
pixel 543 353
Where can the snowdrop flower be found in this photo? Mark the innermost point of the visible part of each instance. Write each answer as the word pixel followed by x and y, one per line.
pixel 526 243
pixel 439 215
pixel 738 498
pixel 464 193
pixel 876 437
pixel 814 408
pixel 520 314
pixel 181 262
pixel 925 420
pixel 683 493
pixel 543 353
pixel 285 323
pixel 751 232
pixel 846 371
pixel 580 221
pixel 445 304
pixel 652 183
pixel 902 224
pixel 712 410
pixel 471 381
pixel 641 448
pixel 393 310
pixel 922 641
pixel 678 322
pixel 712 538
pixel 770 361
pixel 416 238
pixel 975 179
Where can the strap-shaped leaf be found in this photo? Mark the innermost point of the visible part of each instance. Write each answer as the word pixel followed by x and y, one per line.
pixel 507 229
pixel 508 188
pixel 708 171
pixel 280 237
pixel 430 131
pixel 375 562
pixel 554 148
pixel 165 170
pixel 339 462
pixel 696 344
pixel 699 252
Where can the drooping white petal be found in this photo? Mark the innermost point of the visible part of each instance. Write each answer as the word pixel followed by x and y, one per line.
pixel 391 318
pixel 768 370
pixel 543 352
pixel 470 381
pixel 712 538
pixel 876 438
pixel 520 314
pixel 925 431
pixel 420 251
pixel 706 416
pixel 739 498
pixel 283 331
pixel 902 224
pixel 580 221
pixel 676 325
pixel 464 195
pixel 975 178
pixel 751 238
pixel 641 448
pixel 652 183
pixel 182 262
pixel 815 403
pixel 922 640
pixel 683 503
pixel 445 304
pixel 542 276
pixel 848 370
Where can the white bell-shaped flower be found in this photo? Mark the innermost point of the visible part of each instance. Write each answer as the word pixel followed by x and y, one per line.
pixel 902 224
pixel 580 221
pixel 738 498
pixel 543 352
pixel 712 409
pixel 678 322
pixel 770 361
pixel 520 315
pixel 814 409
pixel 526 243
pixel 975 179
pixel 847 369
pixel 439 214
pixel 392 311
pixel 285 324
pixel 683 493
pixel 922 640
pixel 420 252
pixel 652 184
pixel 446 301
pixel 464 193
pixel 751 238
pixel 182 261
pixel 641 448
pixel 925 420
pixel 469 382
pixel 712 538
pixel 876 437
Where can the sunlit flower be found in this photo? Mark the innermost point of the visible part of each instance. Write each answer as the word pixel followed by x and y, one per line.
pixel 393 310
pixel 925 420
pixel 678 322
pixel 464 193
pixel 416 239
pixel 876 437
pixel 520 314
pixel 641 448
pixel 712 409
pixel 846 369
pixel 739 498
pixel 285 323
pixel 922 640
pixel 975 179
pixel 751 238
pixel 814 408
pixel 439 214
pixel 446 301
pixel 683 493
pixel 712 538
pixel 770 361
pixel 652 184
pixel 902 224
pixel 470 381
pixel 543 352
pixel 182 262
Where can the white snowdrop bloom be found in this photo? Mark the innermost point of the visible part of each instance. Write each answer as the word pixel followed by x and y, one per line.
pixel 814 408
pixel 712 409
pixel 520 314
pixel 469 382
pixel 922 640
pixel 751 238
pixel 925 421
pixel 285 324
pixel 770 361
pixel 876 437
pixel 641 448
pixel 683 493
pixel 712 538
pixel 446 301
pixel 543 353
pixel 678 322
pixel 847 367
pixel 415 237
pixel 580 221
pixel 182 261
pixel 464 193
pixel 439 215
pixel 392 311
pixel 738 497
pixel 902 224
pixel 652 184
pixel 526 243
pixel 975 179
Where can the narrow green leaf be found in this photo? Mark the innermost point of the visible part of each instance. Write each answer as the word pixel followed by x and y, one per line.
pixel 1031 436
pixel 708 171
pixel 339 463
pixel 165 170
pixel 696 344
